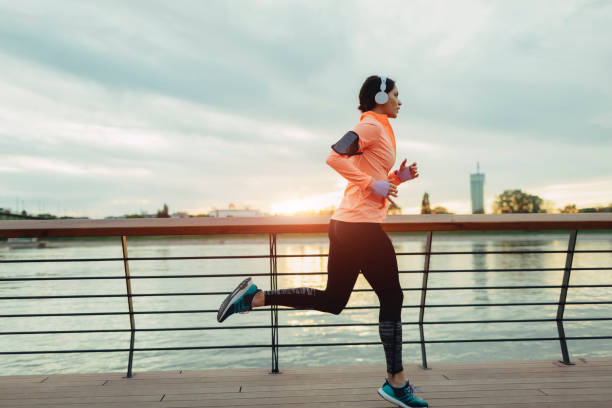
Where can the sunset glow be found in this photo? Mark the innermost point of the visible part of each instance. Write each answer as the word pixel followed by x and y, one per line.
pixel 312 204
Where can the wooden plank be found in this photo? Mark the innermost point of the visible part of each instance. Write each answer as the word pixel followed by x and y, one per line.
pixel 579 391
pixel 590 404
pixel 21 379
pixel 81 400
pixel 488 384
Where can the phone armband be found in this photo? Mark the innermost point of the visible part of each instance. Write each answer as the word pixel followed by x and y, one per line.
pixel 348 145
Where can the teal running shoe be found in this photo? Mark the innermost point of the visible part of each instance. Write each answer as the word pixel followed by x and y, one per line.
pixel 239 301
pixel 403 396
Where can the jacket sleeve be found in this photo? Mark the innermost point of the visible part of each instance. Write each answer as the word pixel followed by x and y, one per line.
pixel 344 165
pixel 368 133
pixel 393 178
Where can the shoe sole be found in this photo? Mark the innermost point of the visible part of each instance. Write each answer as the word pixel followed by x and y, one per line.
pixel 386 397
pixel 232 297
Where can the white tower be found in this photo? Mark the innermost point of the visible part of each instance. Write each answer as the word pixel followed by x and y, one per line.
pixel 477 181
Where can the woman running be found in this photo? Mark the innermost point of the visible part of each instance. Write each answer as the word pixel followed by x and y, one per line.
pixel 357 241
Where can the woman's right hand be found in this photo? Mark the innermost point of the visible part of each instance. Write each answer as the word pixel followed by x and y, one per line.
pixel 384 188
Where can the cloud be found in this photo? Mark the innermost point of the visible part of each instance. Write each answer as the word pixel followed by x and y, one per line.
pixel 239 102
pixel 586 193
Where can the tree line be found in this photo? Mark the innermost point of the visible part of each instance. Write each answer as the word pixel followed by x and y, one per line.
pixel 517 201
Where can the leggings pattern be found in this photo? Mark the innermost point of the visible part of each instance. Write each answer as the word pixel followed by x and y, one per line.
pixel 391 337
pixel 356 247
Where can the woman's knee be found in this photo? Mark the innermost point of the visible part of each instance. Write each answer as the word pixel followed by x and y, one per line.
pixel 393 297
pixel 336 308
pixel 336 304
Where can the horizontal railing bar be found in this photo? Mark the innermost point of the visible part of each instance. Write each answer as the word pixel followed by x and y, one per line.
pixel 518 339
pixel 287 274
pixel 288 326
pixel 494 270
pixel 177 258
pixel 449 341
pixel 68 332
pixel 354 290
pixel 140 259
pixel 516 270
pixel 65 314
pixel 171 276
pixel 551 251
pixel 511 287
pixel 148 277
pixel 63 297
pixel 520 304
pixel 144 349
pixel 290 309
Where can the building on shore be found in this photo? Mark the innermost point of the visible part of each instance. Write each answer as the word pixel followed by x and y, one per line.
pixel 477 181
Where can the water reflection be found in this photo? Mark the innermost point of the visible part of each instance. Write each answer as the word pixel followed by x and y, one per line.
pixel 303 264
pixel 479 263
pixel 521 260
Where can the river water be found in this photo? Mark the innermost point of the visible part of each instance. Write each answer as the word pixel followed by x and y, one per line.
pixel 296 356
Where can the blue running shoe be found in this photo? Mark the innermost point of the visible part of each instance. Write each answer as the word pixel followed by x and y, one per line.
pixel 239 301
pixel 403 396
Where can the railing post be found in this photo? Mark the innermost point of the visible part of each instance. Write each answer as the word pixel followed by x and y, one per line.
pixel 274 308
pixel 561 309
pixel 423 297
pixel 130 305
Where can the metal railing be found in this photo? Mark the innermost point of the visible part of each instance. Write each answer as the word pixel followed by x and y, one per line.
pixel 277 225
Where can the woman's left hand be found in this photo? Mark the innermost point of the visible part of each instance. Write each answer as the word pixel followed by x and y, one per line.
pixel 407 173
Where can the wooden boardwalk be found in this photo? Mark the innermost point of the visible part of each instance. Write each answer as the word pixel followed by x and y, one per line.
pixel 512 384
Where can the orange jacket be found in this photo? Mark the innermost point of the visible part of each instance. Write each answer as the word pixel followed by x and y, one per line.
pixel 377 142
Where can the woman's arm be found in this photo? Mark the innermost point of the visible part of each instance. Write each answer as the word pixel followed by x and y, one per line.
pixel 343 165
pixel 367 134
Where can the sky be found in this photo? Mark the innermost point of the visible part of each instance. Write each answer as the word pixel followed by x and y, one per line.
pixel 113 107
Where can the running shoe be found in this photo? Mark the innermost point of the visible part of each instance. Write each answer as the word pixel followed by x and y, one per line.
pixel 239 301
pixel 403 396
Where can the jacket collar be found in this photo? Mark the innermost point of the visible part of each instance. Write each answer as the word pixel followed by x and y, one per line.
pixel 383 120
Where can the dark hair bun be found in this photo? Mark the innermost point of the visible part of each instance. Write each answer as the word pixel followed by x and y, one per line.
pixel 369 89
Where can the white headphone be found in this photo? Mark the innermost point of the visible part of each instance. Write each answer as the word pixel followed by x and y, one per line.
pixel 382 97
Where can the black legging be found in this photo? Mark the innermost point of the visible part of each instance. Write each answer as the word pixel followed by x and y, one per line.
pixel 355 247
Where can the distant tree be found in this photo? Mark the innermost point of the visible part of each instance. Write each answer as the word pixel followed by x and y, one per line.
pixel 596 209
pixel 425 204
pixel 516 201
pixel 394 209
pixel 569 209
pixel 440 210
pixel 163 213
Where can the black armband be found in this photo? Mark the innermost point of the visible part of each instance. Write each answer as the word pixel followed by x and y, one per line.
pixel 348 145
